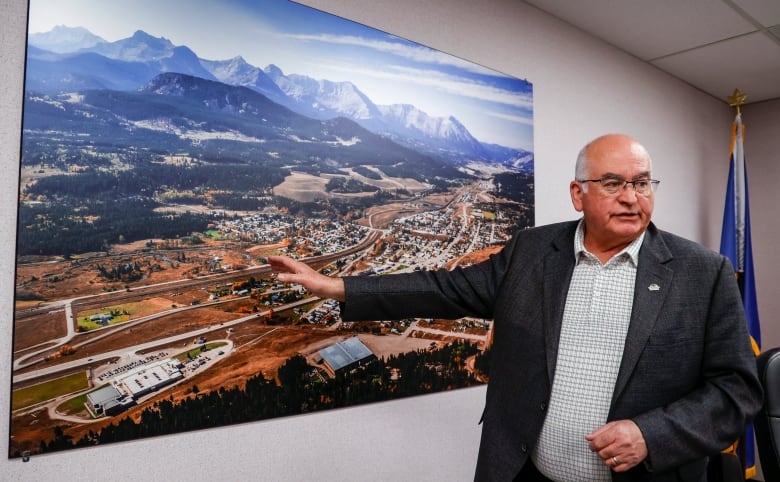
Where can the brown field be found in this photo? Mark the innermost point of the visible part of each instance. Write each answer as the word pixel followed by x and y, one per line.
pixel 302 187
pixel 32 331
pixel 389 183
pixel 473 257
pixel 307 188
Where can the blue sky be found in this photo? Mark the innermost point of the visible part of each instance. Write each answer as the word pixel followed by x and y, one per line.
pixel 300 40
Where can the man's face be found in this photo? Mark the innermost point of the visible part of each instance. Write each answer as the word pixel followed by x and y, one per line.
pixel 619 218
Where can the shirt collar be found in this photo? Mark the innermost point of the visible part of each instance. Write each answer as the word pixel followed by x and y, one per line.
pixel 632 250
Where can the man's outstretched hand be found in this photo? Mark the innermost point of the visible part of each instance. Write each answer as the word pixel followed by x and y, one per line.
pixel 292 271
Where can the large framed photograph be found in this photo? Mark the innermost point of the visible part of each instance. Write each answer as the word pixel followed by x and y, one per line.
pixel 169 147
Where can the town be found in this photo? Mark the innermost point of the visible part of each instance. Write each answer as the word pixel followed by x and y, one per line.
pixel 211 315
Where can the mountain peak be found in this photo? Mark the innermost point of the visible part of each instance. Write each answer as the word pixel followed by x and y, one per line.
pixel 172 83
pixel 64 39
pixel 156 43
pixel 64 29
pixel 235 66
pixel 456 122
pixel 237 71
pixel 142 47
pixel 273 71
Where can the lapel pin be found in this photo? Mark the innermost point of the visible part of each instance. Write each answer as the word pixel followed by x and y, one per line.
pixel 653 287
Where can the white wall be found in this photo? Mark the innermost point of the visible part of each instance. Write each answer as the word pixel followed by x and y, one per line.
pixel 582 88
pixel 762 156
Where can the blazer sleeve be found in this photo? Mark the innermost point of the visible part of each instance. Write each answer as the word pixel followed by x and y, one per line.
pixel 469 291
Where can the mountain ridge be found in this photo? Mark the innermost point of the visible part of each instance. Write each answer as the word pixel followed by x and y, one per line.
pixel 130 63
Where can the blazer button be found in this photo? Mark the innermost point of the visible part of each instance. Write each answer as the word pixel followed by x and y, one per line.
pixel 524 448
pixel 543 406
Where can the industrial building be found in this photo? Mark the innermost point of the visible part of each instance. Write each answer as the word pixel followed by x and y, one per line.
pixel 125 390
pixel 346 355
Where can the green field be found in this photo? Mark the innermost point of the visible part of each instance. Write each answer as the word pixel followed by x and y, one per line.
pixel 25 397
pixel 122 313
pixel 73 406
pixel 197 351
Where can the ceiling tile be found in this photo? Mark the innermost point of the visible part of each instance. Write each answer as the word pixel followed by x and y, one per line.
pixel 750 63
pixel 767 12
pixel 651 29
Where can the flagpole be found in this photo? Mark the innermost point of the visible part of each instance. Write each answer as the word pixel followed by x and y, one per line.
pixel 737 100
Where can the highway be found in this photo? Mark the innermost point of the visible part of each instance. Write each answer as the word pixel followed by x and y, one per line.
pixel 149 345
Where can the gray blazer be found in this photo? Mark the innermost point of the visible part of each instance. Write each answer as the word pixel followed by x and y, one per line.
pixel 688 374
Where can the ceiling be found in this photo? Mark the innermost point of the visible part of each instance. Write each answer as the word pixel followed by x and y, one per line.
pixel 714 45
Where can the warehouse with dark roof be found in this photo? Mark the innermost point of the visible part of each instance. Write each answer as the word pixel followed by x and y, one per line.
pixel 346 355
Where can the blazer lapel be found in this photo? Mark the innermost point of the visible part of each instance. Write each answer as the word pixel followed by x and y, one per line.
pixel 558 268
pixel 653 280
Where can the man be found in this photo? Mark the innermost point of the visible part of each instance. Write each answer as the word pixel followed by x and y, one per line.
pixel 620 351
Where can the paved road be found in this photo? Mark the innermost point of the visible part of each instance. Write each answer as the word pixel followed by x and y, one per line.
pixel 190 335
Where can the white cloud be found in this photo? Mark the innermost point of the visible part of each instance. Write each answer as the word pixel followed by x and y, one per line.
pixel 411 52
pixel 442 82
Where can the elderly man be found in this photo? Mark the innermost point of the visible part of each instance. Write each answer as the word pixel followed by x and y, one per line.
pixel 620 351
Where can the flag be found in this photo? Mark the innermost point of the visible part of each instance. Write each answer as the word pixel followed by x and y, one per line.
pixel 736 245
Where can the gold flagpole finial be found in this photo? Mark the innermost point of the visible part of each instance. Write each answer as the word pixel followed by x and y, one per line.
pixel 737 99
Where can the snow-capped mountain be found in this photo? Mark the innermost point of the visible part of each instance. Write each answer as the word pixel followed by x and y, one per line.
pixel 84 61
pixel 324 99
pixel 445 134
pixel 154 51
pixel 139 58
pixel 237 71
pixel 404 123
pixel 63 39
pixel 141 47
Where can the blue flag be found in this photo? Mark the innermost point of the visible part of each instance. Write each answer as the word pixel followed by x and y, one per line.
pixel 736 245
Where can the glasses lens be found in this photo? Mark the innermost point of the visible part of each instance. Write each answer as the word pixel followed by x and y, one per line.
pixel 642 186
pixel 611 185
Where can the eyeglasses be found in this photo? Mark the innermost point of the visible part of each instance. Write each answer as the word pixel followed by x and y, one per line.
pixel 611 185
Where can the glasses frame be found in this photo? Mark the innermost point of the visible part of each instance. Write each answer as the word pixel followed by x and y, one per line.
pixel 653 184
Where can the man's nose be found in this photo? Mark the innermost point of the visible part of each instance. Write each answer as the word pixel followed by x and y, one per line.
pixel 628 192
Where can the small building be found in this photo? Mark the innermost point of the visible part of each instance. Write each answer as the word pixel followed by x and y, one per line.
pixel 108 401
pixel 102 318
pixel 346 355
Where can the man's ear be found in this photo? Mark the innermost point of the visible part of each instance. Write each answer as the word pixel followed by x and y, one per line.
pixel 575 189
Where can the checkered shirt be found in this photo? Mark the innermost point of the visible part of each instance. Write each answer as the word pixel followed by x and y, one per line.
pixel 593 333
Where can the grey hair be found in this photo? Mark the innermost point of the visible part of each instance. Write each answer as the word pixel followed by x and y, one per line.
pixel 581 167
